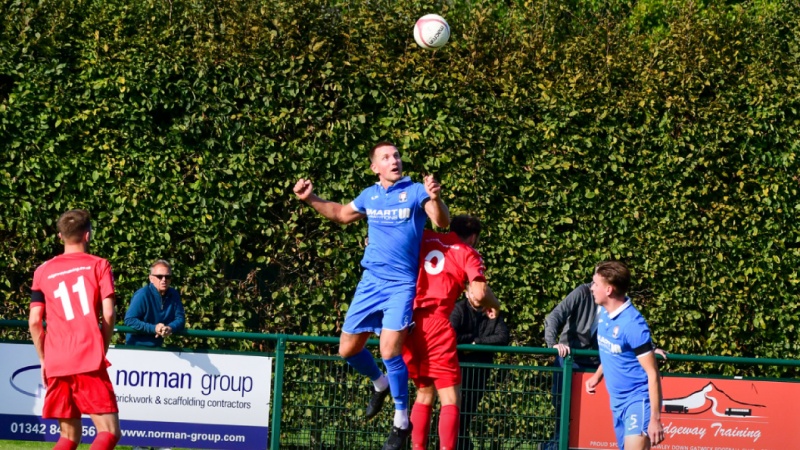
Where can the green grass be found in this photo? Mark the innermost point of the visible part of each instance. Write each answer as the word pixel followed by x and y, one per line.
pixel 14 445
pixel 18 445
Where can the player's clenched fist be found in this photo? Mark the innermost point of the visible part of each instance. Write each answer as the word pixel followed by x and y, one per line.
pixel 303 188
pixel 432 187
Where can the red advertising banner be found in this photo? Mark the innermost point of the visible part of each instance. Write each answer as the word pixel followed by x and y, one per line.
pixel 699 414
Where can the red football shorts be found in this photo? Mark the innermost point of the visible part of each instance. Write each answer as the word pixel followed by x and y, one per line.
pixel 85 393
pixel 430 352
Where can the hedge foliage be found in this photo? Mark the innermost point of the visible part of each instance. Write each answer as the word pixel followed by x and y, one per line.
pixel 661 132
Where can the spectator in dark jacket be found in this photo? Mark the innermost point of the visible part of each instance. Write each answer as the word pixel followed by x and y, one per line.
pixel 156 309
pixel 475 326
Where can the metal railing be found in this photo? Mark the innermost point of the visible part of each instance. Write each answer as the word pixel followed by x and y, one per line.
pixel 318 401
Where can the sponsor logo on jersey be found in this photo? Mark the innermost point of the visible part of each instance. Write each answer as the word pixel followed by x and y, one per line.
pixel 389 214
pixel 604 343
pixel 434 262
pixel 67 272
pixel 445 245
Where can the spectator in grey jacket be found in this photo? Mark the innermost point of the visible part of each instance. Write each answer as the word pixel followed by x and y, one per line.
pixel 571 324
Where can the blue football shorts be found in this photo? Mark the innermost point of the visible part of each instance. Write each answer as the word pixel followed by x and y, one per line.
pixel 631 418
pixel 379 304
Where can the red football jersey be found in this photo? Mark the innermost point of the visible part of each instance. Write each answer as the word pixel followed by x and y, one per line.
pixel 446 265
pixel 71 288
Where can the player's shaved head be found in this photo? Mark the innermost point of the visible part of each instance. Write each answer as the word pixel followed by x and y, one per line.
pixel 377 146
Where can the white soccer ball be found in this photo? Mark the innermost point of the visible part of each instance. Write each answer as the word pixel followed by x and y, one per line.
pixel 431 31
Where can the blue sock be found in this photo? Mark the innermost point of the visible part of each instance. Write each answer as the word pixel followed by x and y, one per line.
pixel 397 372
pixel 365 364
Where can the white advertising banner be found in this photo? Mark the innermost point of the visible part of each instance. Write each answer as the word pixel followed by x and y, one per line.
pixel 166 399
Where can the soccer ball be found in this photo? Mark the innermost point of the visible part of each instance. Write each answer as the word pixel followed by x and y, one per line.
pixel 431 31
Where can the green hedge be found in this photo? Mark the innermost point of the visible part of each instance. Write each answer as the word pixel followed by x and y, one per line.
pixel 661 132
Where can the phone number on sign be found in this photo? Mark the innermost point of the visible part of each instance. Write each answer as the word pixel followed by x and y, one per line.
pixel 43 428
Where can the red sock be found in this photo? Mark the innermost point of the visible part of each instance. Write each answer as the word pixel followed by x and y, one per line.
pixel 104 441
pixel 448 427
pixel 421 418
pixel 65 444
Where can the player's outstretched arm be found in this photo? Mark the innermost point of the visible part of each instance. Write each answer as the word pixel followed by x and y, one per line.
pixel 435 208
pixel 330 210
pixel 108 320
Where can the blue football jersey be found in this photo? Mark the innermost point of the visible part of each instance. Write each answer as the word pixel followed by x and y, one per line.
pixel 396 218
pixel 621 337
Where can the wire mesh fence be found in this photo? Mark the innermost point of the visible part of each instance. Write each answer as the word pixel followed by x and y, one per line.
pixel 504 407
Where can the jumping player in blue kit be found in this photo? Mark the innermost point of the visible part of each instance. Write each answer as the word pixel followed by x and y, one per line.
pixel 396 210
pixel 627 360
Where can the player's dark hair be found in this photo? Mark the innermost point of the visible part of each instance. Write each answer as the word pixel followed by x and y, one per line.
pixel 379 145
pixel 465 226
pixel 73 224
pixel 616 274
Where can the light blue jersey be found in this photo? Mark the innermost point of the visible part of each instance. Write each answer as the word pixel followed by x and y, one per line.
pixel 396 218
pixel 621 337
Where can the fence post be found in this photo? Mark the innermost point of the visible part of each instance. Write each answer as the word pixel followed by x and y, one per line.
pixel 566 399
pixel 277 394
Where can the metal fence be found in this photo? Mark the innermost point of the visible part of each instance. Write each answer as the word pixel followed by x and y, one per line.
pixel 323 404
pixel 318 401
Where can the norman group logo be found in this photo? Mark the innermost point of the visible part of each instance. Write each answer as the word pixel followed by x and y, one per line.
pixel 28 381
